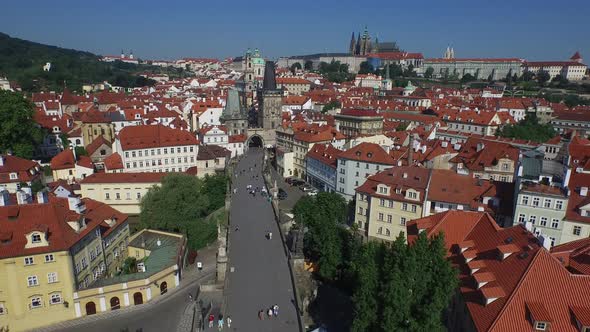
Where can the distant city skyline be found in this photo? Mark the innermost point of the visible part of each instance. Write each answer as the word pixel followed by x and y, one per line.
pixel 533 30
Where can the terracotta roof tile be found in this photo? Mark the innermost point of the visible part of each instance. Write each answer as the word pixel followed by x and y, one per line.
pixel 150 136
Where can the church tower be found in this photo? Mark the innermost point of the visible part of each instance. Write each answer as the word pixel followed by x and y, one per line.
pixel 234 115
pixel 270 100
pixel 352 46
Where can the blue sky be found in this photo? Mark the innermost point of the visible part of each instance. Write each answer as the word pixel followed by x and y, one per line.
pixel 535 30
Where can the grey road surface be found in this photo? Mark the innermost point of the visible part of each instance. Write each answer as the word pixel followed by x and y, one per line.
pixel 261 276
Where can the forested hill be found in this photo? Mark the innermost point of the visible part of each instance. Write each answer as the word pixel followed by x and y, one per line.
pixel 22 61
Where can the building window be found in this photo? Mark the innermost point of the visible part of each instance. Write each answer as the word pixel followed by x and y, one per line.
pixel 2 308
pixel 577 230
pixel 391 204
pixel 533 219
pixel 521 218
pixel 29 261
pixel 13 176
pixel 49 258
pixel 32 281
pixel 380 230
pixel 55 298
pixel 360 210
pixel 51 277
pixel 414 208
pixel 524 200
pixel 381 202
pixel 547 203
pixel 402 221
pixel 36 238
pixel 558 205
pixel 128 196
pixel 536 201
pixel 387 232
pixel 554 223
pixel 36 302
pixel 118 196
pixel 389 218
pixel 380 218
pixel 543 221
pixel 138 195
pixel 107 196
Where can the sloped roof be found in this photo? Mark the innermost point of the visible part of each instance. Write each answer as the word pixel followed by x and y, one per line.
pixel 369 153
pixel 21 166
pixel 152 136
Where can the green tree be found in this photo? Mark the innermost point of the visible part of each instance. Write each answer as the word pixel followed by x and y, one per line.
pixel 216 188
pixel 395 292
pixel 366 68
pixel 331 105
pixel 528 129
pixel 366 295
pixel 543 77
pixel 295 67
pixel 308 65
pixel 428 73
pixel 180 204
pixel 323 215
pixel 80 151
pixel 467 78
pixel 527 76
pixel 19 133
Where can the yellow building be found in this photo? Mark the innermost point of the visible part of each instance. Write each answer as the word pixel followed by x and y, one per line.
pixel 390 199
pixel 160 257
pixel 48 248
pixel 122 191
pixel 94 124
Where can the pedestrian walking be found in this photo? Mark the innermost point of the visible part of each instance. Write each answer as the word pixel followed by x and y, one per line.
pixel 228 322
pixel 275 310
pixel 260 315
pixel 270 235
pixel 269 312
pixel 211 319
pixel 220 322
pixel 190 297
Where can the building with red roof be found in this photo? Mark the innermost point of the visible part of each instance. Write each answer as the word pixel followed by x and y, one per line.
pixel 359 122
pixel 51 248
pixel 156 148
pixel 294 85
pixel 507 280
pixel 67 166
pixel 572 70
pixel 386 201
pixel 15 170
pixel 320 166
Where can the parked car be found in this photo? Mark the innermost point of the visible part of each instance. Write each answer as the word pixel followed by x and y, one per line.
pixel 289 180
pixel 282 194
pixel 306 188
pixel 312 193
pixel 297 182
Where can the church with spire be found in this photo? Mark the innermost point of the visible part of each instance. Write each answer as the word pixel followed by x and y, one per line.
pixel 363 45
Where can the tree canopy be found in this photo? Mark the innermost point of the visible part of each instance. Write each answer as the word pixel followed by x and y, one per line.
pixel 19 133
pixel 428 73
pixel 308 65
pixel 323 215
pixel 402 287
pixel 335 71
pixel 23 61
pixel 331 105
pixel 366 68
pixel 528 129
pixel 181 204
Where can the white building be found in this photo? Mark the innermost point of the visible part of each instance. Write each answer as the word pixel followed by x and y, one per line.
pixel 156 149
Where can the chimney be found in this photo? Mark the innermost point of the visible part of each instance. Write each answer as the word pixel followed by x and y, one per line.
pixel 584 191
pixel 444 144
pixel 75 204
pixel 480 146
pixel 4 197
pixel 405 176
pixel 22 197
pixel 42 197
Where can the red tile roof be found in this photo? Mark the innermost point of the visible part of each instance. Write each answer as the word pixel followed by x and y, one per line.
pixel 448 186
pixel 403 178
pixel 96 144
pixel 124 178
pixel 488 156
pixel 63 160
pixel 530 281
pixel 144 136
pixel 369 153
pixel 325 153
pixel 51 218
pixel 26 170
pixel 114 161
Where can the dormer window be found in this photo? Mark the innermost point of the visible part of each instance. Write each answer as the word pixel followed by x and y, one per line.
pixel 13 176
pixel 36 238
pixel 540 326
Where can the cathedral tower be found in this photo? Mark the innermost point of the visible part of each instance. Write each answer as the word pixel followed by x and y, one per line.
pixel 352 46
pixel 234 115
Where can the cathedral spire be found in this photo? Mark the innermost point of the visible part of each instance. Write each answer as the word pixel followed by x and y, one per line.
pixel 352 44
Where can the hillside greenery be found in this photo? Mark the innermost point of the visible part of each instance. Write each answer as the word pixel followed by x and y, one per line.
pixel 19 133
pixel 22 61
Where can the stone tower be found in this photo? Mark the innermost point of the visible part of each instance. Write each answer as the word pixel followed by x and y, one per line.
pixel 352 46
pixel 234 115
pixel 270 100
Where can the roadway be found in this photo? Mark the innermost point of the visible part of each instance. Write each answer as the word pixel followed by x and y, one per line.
pixel 261 275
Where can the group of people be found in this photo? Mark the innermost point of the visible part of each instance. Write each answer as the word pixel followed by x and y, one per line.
pixel 272 311
pixel 219 321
